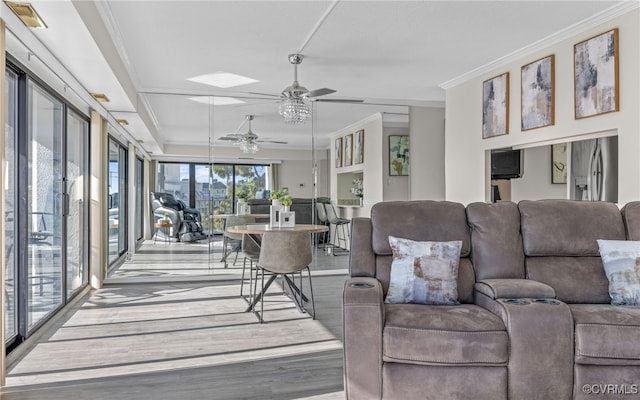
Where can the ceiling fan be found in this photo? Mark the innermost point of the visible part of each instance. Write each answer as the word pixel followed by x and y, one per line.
pixel 292 99
pixel 248 141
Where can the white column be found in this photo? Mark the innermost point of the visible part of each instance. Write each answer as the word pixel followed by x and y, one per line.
pixel 131 199
pixel 98 182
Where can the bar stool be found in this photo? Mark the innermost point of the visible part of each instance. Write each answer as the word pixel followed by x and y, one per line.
pixel 340 224
pixel 322 218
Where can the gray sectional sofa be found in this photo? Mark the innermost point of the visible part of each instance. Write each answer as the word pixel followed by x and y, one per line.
pixel 534 319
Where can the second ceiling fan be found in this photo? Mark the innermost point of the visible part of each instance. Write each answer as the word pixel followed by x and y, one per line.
pixel 248 141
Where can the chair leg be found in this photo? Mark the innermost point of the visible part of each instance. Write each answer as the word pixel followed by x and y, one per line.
pixel 262 300
pixel 244 266
pixel 313 303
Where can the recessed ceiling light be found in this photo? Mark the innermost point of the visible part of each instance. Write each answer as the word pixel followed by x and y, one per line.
pixel 27 14
pixel 217 100
pixel 123 122
pixel 100 97
pixel 222 79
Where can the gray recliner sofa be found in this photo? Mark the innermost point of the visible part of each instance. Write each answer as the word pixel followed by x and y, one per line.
pixel 538 281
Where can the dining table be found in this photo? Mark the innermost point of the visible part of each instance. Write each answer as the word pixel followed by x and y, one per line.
pixel 255 231
pixel 224 217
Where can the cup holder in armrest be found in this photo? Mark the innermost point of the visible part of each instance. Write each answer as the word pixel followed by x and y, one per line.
pixel 547 301
pixel 361 285
pixel 516 302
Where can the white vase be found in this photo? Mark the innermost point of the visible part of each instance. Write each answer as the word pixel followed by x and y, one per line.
pixel 360 201
pixel 286 208
pixel 276 203
pixel 241 207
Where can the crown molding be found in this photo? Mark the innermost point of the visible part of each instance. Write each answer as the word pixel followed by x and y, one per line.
pixel 564 34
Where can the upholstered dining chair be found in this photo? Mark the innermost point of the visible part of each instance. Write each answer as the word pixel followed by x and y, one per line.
pixel 234 239
pixel 285 253
pixel 251 252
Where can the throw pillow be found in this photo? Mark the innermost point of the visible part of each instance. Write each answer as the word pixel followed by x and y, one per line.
pixel 621 260
pixel 424 272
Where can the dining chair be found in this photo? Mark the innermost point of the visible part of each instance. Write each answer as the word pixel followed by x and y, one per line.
pixel 251 252
pixel 285 253
pixel 234 239
pixel 340 224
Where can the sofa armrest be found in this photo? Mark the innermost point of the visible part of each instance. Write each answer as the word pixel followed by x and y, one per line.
pixel 514 288
pixel 363 320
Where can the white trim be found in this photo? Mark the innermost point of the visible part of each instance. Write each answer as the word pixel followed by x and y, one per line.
pixel 567 33
pixel 355 125
pixel 575 138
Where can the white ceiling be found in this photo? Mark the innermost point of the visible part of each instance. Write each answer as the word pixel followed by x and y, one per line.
pixel 141 54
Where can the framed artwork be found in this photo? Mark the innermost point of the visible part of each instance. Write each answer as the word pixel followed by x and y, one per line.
pixel 559 163
pixel 358 147
pixel 596 75
pixel 398 155
pixel 537 93
pixel 495 106
pixel 348 150
pixel 338 152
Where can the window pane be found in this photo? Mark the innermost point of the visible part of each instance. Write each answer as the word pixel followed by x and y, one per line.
pixel 117 200
pixel 77 274
pixel 44 200
pixel 139 205
pixel 10 328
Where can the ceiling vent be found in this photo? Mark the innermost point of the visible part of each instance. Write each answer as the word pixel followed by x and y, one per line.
pixel 27 14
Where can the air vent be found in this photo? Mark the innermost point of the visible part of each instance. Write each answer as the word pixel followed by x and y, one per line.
pixel 27 14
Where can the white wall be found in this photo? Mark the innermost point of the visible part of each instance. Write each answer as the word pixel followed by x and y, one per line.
pixel 427 141
pixel 296 175
pixel 535 183
pixel 466 172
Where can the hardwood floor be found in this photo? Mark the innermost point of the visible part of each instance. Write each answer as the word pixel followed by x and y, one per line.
pixel 137 339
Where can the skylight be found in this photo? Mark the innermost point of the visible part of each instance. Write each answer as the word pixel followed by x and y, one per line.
pixel 222 79
pixel 217 100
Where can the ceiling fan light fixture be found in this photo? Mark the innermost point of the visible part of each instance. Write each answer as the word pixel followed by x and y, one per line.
pixel 294 110
pixel 249 147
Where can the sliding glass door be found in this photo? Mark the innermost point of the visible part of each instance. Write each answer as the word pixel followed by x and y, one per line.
pixel 117 200
pixel 44 203
pixel 11 288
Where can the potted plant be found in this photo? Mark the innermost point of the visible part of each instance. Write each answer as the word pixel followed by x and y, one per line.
pixel 286 202
pixel 357 190
pixel 277 196
pixel 241 207
pixel 166 216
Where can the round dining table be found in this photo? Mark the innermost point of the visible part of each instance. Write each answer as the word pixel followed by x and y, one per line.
pixel 257 229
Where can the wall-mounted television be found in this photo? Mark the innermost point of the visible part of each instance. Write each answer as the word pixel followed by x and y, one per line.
pixel 506 164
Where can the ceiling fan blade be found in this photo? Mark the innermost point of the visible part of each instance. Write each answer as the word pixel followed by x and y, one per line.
pixel 271 141
pixel 340 100
pixel 265 94
pixel 230 138
pixel 319 92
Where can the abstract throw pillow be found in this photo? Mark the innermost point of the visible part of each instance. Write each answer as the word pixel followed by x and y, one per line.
pixel 424 272
pixel 621 260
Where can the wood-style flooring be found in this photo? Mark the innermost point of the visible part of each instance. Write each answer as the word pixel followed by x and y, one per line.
pixel 186 336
